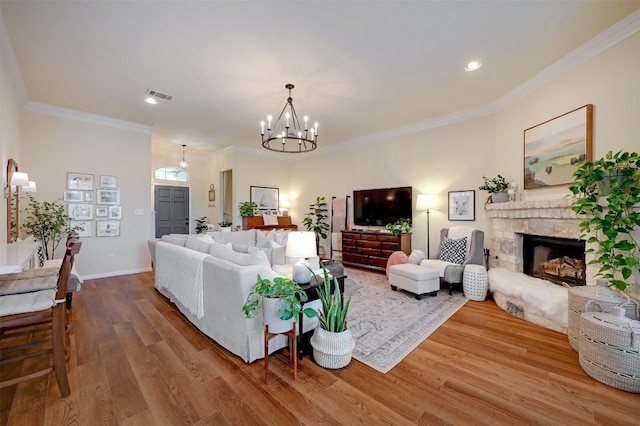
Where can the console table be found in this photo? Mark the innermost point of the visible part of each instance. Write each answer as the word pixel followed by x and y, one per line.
pixel 15 257
pixel 311 290
pixel 370 249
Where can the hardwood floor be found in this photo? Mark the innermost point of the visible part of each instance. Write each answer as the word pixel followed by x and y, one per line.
pixel 136 361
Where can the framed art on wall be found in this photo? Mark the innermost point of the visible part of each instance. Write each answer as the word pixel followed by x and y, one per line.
pixel 115 212
pixel 102 211
pixel 108 181
pixel 82 227
pixel 553 150
pixel 108 196
pixel 107 228
pixel 73 196
pixel 80 181
pixel 80 211
pixel 266 198
pixel 462 205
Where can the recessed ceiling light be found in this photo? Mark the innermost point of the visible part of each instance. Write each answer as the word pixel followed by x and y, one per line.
pixel 150 100
pixel 472 66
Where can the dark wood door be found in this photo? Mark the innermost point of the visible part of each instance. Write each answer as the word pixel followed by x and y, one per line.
pixel 172 210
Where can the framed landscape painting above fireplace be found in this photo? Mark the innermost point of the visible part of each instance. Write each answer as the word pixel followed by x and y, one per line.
pixel 553 150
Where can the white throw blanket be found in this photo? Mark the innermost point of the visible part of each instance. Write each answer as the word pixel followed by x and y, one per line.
pixel 180 272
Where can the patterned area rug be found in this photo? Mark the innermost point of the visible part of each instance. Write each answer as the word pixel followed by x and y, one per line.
pixel 387 325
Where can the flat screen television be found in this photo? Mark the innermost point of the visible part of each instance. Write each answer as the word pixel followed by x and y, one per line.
pixel 377 207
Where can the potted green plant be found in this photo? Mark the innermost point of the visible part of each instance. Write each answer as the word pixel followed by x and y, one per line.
pixel 332 341
pixel 281 301
pixel 248 208
pixel 497 187
pixel 316 220
pixel 225 224
pixel 399 226
pixel 48 223
pixel 201 225
pixel 607 193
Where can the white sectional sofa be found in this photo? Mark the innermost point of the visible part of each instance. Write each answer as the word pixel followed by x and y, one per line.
pixel 208 277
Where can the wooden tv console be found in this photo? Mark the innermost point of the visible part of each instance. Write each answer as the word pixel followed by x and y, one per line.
pixel 371 249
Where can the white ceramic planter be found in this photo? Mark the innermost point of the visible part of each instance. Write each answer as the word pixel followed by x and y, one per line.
pixel 500 197
pixel 271 313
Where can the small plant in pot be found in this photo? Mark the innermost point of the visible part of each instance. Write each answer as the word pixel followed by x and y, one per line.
pixel 399 226
pixel 225 224
pixel 248 208
pixel 607 193
pixel 497 187
pixel 280 300
pixel 201 225
pixel 332 341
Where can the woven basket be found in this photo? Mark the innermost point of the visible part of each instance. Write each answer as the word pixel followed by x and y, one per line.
pixel 606 298
pixel 610 349
pixel 332 350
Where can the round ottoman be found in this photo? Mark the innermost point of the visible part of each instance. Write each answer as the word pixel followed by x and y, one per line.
pixel 474 282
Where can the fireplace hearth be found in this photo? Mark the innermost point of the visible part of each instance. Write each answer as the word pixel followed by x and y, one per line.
pixel 559 260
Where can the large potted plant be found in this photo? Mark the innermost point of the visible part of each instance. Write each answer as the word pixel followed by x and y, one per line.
pixel 247 209
pixel 280 300
pixel 316 220
pixel 332 341
pixel 496 187
pixel 48 223
pixel 607 193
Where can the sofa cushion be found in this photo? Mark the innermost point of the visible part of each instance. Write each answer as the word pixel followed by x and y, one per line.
pixel 416 257
pixel 199 243
pixel 281 236
pixel 242 259
pixel 244 238
pixel 262 236
pixel 453 251
pixel 174 239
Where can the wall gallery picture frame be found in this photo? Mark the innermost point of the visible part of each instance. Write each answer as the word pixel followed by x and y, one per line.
pixel 115 212
pixel 553 150
pixel 88 197
pixel 72 196
pixel 80 181
pixel 82 227
pixel 266 198
pixel 108 181
pixel 102 211
pixel 80 211
pixel 107 228
pixel 462 205
pixel 108 196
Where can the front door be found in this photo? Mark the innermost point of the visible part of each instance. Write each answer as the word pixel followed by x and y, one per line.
pixel 172 210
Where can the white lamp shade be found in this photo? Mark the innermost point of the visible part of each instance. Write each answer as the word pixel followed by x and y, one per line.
pixel 301 244
pixel 30 188
pixel 427 201
pixel 19 179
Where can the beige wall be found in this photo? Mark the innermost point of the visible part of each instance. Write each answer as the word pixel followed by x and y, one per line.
pixel 10 134
pixel 53 146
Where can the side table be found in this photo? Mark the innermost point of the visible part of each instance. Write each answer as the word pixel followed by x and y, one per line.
pixel 291 334
pixel 474 282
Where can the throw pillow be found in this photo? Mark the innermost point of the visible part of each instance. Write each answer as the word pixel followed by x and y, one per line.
pixel 453 251
pixel 416 257
pixel 281 237
pixel 206 238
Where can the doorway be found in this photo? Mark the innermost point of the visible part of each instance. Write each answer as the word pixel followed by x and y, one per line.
pixel 171 204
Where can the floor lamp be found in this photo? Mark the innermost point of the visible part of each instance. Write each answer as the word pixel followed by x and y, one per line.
pixel 425 203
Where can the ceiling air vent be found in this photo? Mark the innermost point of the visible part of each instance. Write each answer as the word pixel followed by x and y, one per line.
pixel 159 95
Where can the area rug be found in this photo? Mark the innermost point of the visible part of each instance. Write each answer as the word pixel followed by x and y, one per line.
pixel 387 325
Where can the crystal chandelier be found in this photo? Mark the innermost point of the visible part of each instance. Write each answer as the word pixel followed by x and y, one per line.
pixel 183 163
pixel 292 137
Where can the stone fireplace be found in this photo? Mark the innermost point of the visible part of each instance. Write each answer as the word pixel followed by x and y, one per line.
pixel 514 220
pixel 559 260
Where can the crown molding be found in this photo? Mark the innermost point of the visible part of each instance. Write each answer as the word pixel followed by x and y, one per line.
pixel 86 117
pixel 603 41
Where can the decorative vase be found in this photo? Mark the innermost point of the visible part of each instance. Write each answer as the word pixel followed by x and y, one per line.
pixel 332 350
pixel 500 197
pixel 225 228
pixel 271 312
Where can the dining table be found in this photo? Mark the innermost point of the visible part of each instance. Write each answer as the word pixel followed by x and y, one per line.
pixel 15 257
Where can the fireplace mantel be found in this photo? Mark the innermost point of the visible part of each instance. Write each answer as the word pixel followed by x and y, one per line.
pixel 556 209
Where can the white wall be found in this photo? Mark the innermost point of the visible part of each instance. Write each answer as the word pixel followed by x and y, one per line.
pixel 53 146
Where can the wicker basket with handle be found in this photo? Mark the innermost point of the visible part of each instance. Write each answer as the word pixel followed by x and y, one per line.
pixel 610 349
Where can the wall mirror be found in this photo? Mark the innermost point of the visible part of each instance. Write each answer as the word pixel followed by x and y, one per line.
pixel 13 203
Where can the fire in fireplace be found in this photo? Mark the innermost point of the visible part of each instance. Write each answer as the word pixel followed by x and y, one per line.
pixel 560 260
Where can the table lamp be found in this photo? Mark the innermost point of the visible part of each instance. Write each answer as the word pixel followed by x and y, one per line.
pixel 301 244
